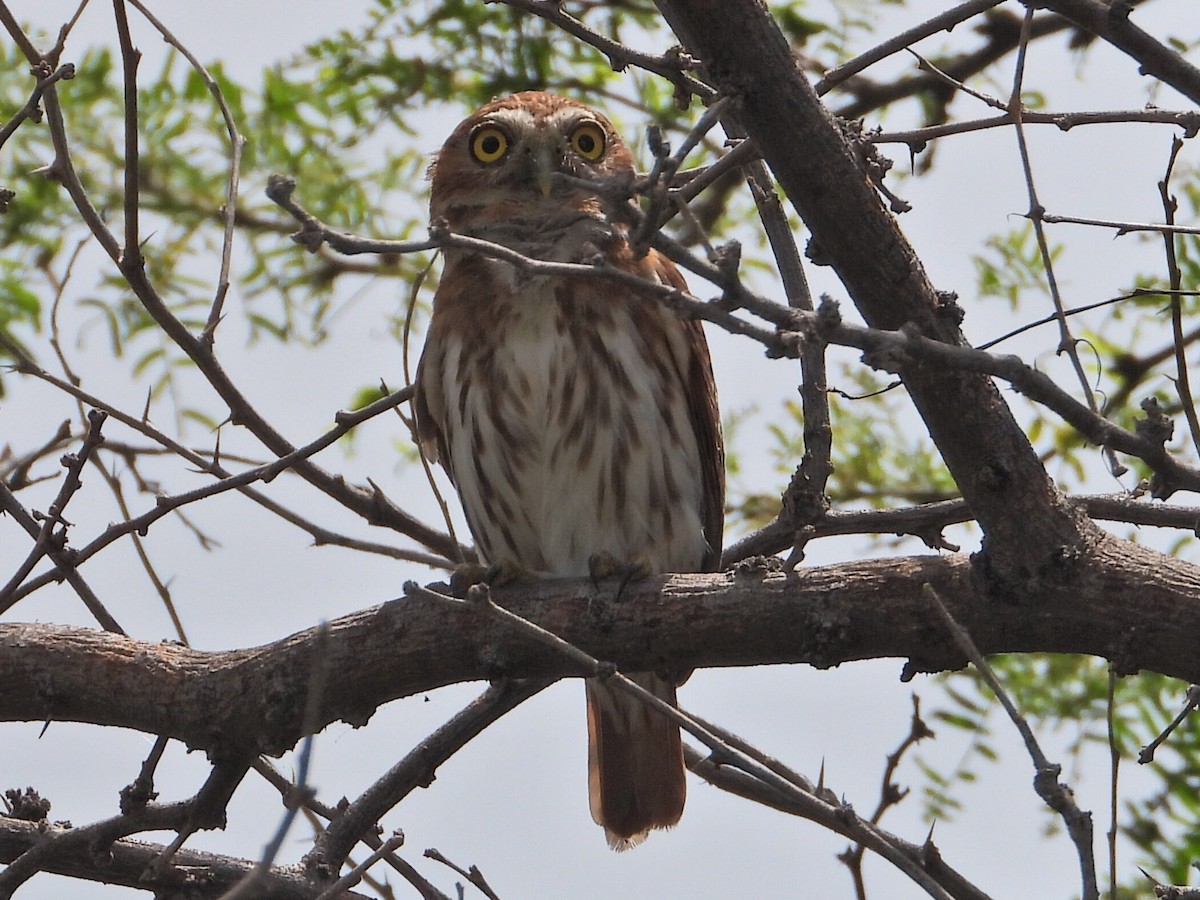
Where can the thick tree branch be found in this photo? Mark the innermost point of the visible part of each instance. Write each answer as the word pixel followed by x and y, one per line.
pixel 927 520
pixel 251 700
pixel 195 874
pixel 1110 21
pixel 1024 518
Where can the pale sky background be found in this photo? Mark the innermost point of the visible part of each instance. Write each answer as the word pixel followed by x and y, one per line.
pixel 514 801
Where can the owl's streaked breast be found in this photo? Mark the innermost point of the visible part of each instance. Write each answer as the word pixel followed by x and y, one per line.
pixel 587 450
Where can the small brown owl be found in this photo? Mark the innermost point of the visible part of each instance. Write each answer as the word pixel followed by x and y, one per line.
pixel 577 420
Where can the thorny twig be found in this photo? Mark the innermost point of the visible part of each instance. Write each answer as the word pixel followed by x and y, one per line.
pixel 54 545
pixel 1146 754
pixel 479 596
pixel 344 422
pixel 473 875
pixel 236 143
pixel 672 66
pixel 918 138
pixel 890 793
pixel 31 111
pixel 944 21
pixel 359 817
pixel 1056 795
pixel 1183 384
pixel 890 350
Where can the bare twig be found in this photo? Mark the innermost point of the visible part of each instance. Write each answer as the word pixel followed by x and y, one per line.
pixel 1146 754
pixel 13 27
pixel 1111 23
pixel 1067 342
pixel 236 143
pixel 945 21
pixel 345 421
pixel 52 535
pixel 139 548
pixel 1087 307
pixel 473 875
pixel 1056 795
pixel 804 501
pixel 355 875
pixel 890 793
pixel 359 818
pixel 1183 385
pixel 32 108
pixel 131 254
pixel 55 546
pixel 206 810
pixel 673 67
pixel 316 810
pixel 1123 228
pixel 426 467
pixel 927 520
pixel 124 862
pixel 917 138
pixel 140 791
pixel 479 596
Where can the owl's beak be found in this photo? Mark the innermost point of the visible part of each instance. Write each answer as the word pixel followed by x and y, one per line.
pixel 544 168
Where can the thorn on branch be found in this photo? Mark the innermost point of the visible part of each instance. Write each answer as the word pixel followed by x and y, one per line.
pixel 1146 754
pixel 728 258
pixel 874 164
pixel 27 805
pixel 935 540
pixel 1157 426
pixel 816 254
pixel 757 568
pixel 829 313
pixel 948 309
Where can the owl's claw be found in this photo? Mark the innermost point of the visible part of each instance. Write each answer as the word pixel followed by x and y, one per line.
pixel 497 574
pixel 605 565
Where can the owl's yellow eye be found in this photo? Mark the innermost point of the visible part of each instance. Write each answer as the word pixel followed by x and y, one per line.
pixel 489 144
pixel 588 141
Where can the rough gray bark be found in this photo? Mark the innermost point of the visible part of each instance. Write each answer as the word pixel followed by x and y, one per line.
pixel 1030 532
pixel 236 701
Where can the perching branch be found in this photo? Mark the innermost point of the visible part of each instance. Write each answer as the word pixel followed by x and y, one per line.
pixel 252 700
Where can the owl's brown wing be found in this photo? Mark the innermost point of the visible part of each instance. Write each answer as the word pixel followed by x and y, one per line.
pixel 705 415
pixel 428 400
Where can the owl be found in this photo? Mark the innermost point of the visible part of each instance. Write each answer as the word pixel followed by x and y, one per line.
pixel 577 420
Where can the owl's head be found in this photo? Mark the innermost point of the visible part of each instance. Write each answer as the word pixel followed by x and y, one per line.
pixel 506 159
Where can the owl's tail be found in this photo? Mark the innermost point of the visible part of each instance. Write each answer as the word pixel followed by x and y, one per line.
pixel 635 762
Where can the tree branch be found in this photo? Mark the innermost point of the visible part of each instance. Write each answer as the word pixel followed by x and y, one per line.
pixel 823 172
pixel 195 874
pixel 1110 21
pixel 252 700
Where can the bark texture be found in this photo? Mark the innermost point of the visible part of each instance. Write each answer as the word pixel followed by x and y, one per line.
pixel 1129 604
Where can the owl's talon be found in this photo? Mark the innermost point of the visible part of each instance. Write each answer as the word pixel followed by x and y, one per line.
pixel 497 574
pixel 602 565
pixel 605 565
pixel 466 576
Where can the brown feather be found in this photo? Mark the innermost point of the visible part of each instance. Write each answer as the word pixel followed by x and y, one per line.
pixel 573 417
